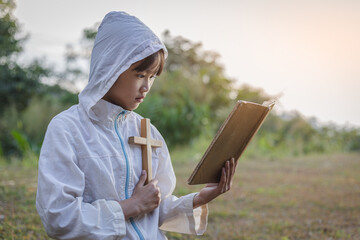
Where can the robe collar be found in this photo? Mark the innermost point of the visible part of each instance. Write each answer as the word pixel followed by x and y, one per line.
pixel 106 111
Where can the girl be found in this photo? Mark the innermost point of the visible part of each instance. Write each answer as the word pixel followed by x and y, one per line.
pixel 91 184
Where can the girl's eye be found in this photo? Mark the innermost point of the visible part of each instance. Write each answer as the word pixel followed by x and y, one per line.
pixel 140 76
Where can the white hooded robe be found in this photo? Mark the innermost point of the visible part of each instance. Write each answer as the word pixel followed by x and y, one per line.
pixel 86 164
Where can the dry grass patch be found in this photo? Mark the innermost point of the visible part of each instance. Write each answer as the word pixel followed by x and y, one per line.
pixel 301 198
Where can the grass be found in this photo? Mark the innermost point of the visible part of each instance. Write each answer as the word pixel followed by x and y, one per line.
pixel 315 197
pixel 18 216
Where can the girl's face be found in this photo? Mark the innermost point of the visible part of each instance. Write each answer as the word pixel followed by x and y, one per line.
pixel 131 87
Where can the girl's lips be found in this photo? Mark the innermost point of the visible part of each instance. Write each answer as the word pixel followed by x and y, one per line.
pixel 140 99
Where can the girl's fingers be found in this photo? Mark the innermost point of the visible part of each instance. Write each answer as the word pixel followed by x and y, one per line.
pixel 228 175
pixel 142 178
pixel 223 177
pixel 223 185
pixel 233 168
pixel 233 165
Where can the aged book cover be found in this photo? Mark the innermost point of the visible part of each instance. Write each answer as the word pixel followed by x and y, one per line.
pixel 231 140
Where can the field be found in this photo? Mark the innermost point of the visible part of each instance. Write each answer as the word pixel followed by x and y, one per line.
pixel 314 197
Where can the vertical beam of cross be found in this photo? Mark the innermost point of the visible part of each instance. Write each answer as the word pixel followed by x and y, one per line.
pixel 147 143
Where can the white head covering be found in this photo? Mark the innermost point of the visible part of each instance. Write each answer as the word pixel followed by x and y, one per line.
pixel 121 41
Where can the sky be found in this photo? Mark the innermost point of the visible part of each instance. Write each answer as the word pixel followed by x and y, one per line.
pixel 305 51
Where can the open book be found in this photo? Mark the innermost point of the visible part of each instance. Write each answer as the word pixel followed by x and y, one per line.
pixel 231 140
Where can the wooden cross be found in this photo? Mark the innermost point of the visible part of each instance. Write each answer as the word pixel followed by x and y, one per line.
pixel 146 146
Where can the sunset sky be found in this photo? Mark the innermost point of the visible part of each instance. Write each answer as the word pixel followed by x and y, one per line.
pixel 307 51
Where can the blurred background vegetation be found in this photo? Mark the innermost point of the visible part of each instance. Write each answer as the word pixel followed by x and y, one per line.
pixel 187 103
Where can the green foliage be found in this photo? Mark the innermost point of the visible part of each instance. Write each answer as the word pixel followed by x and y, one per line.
pixel 32 122
pixel 18 84
pixel 42 109
pixel 21 141
pixel 181 115
pixel 21 92
pixel 200 73
pixel 294 135
pixel 9 43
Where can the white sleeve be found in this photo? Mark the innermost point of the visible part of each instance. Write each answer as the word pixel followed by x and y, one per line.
pixel 61 185
pixel 177 214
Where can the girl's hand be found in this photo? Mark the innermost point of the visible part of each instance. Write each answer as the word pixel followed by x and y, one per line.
pixel 144 199
pixel 211 191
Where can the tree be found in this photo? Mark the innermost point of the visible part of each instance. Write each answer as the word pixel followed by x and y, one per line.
pixel 9 44
pixel 18 84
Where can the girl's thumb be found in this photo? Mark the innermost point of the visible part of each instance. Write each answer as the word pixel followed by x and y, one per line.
pixel 142 177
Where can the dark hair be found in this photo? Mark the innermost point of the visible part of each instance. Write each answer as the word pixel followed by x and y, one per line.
pixel 147 62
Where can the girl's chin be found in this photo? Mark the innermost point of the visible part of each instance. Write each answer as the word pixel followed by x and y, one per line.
pixel 133 107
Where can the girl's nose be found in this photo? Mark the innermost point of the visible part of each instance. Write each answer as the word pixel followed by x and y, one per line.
pixel 145 87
